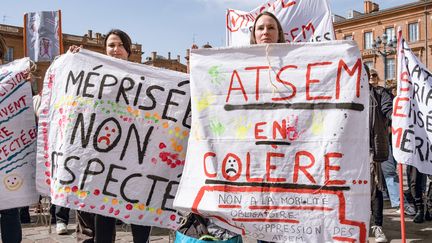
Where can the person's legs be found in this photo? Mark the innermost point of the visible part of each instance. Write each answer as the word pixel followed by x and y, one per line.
pixel 62 214
pixel 25 215
pixel 140 233
pixel 10 226
pixel 416 189
pixel 428 213
pixel 378 208
pixel 105 230
pixel 85 227
pixel 392 179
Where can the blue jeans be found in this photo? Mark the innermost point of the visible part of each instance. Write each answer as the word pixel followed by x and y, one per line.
pixel 389 168
pixel 10 225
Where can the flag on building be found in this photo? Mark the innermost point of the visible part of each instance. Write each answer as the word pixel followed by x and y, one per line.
pixel 42 35
pixel 302 21
pixel 412 111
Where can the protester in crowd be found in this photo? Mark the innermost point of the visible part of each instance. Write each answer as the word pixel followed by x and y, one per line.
pixel 94 227
pixel 266 29
pixel 380 110
pixel 389 167
pixel 10 225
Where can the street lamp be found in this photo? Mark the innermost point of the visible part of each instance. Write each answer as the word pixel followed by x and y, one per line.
pixel 384 47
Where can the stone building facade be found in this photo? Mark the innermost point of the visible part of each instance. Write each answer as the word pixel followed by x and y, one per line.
pixel 414 19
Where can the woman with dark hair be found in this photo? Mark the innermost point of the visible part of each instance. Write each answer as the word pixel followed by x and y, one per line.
pixel 267 29
pixel 94 227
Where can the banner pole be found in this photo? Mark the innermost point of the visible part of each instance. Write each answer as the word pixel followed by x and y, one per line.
pixel 402 203
pixel 25 35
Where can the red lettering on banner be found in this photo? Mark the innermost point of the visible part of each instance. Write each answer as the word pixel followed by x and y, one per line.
pixel 351 72
pixel 258 130
pixel 206 155
pixel 303 168
pixel 397 106
pixel 241 88
pixel 270 167
pixel 398 133
pixel 257 79
pixel 328 168
pixel 288 4
pixel 310 81
pixel 293 88
pixel 248 174
pixel 404 80
pixel 307 27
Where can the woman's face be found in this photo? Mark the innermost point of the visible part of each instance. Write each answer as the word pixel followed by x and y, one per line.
pixel 266 30
pixel 115 48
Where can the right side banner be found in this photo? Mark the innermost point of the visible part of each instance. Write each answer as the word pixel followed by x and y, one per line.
pixel 279 145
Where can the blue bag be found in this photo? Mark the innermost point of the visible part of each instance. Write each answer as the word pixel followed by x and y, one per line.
pixel 181 238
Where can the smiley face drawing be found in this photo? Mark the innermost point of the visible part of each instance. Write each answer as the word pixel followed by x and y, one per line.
pixel 108 135
pixel 231 167
pixel 13 182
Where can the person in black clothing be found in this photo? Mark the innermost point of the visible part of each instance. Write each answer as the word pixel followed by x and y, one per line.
pixel 380 110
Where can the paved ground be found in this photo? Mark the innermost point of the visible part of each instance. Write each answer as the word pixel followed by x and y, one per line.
pixel 39 233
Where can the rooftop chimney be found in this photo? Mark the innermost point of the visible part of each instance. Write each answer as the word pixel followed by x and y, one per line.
pixel 178 58
pixel 90 34
pixel 153 56
pixel 169 55
pixel 370 7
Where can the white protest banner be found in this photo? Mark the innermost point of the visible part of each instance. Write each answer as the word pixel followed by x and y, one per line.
pixel 275 151
pixel 17 137
pixel 412 119
pixel 302 21
pixel 42 35
pixel 113 137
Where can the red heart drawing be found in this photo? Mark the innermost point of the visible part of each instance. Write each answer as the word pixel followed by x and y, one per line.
pixel 102 207
pixel 162 146
pixel 92 206
pixel 116 212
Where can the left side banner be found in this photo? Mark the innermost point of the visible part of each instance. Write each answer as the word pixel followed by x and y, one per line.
pixel 113 137
pixel 17 137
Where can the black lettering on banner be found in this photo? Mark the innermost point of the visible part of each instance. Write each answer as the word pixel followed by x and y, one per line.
pixel 187 116
pixel 168 196
pixel 69 170
pixel 88 172
pixel 151 97
pixel 405 141
pixel 141 150
pixel 122 90
pixel 123 185
pixel 74 80
pixel 54 160
pixel 104 83
pixel 155 180
pixel 137 94
pixel 88 85
pixel 170 102
pixel 80 122
pixel 418 146
pixel 111 178
pixel 112 144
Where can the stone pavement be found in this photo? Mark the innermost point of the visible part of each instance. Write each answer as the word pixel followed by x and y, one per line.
pixel 39 233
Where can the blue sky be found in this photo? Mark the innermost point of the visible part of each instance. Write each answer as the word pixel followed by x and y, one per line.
pixel 159 25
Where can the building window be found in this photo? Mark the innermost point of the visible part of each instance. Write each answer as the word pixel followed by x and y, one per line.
pixel 390 32
pixel 391 68
pixel 368 39
pixel 369 64
pixel 413 32
pixel 348 37
pixel 9 54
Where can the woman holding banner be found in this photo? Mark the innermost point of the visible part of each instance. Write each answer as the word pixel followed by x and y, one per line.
pixel 266 29
pixel 94 227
